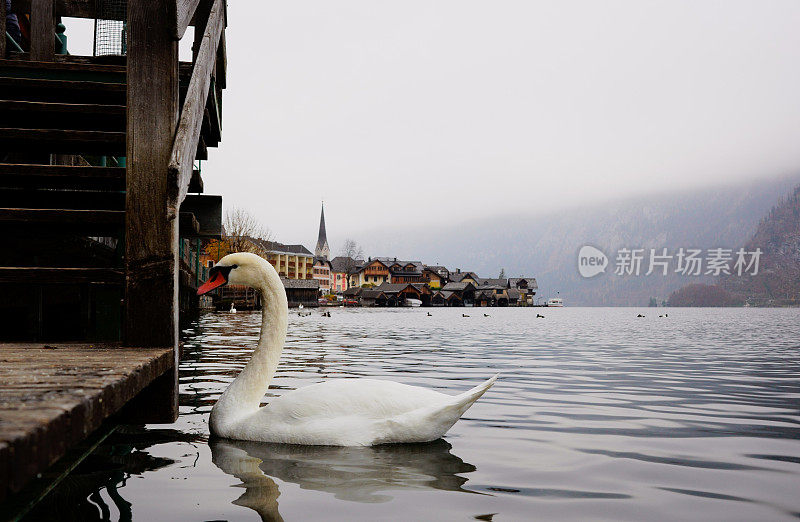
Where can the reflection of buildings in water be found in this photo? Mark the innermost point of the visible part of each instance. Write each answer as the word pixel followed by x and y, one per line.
pixel 356 474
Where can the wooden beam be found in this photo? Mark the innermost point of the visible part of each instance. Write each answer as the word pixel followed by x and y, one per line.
pixel 43 18
pixel 208 211
pixel 151 238
pixel 2 29
pixel 184 148
pixel 47 275
pixel 62 141
pixel 196 184
pixel 71 8
pixel 60 176
pixel 184 11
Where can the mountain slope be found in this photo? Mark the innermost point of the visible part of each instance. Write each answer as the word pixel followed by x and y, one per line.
pixel 546 246
pixel 777 282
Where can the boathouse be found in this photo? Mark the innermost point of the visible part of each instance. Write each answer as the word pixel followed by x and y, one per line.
pixel 101 217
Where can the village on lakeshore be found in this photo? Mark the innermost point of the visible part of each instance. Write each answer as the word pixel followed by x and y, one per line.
pixel 351 279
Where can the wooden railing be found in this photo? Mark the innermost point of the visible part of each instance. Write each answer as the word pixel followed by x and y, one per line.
pixel 184 148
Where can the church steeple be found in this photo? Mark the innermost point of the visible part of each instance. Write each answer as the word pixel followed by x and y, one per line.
pixel 322 249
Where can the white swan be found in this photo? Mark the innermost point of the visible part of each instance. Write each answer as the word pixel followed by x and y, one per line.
pixel 343 412
pixel 233 308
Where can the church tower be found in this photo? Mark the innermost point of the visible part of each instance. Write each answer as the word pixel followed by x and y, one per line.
pixel 322 250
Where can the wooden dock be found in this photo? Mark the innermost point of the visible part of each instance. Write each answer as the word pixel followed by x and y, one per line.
pixel 54 396
pixel 101 214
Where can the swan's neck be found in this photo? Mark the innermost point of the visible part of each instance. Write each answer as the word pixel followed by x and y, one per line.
pixel 244 395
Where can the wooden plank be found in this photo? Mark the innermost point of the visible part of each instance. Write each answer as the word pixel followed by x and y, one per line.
pixel 187 137
pixel 51 275
pixel 70 109
pixel 208 211
pixel 88 222
pixel 43 18
pixel 57 176
pixel 201 14
pixel 62 141
pixel 189 226
pixel 72 8
pixel 2 29
pixel 222 61
pixel 64 63
pixel 62 199
pixel 63 116
pixel 151 234
pixel 53 398
pixel 32 89
pixel 196 184
pixel 184 11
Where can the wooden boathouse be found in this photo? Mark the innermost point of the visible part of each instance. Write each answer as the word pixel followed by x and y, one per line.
pixel 101 215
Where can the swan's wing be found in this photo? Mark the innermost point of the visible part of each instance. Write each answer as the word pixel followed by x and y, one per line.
pixel 367 398
pixel 356 412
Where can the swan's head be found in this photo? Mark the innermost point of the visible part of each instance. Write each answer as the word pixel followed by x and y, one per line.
pixel 241 268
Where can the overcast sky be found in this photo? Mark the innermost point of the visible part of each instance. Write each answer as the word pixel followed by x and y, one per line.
pixel 415 112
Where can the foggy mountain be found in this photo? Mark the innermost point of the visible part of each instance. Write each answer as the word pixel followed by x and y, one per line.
pixel 546 246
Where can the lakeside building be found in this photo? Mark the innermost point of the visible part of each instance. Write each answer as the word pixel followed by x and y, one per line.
pixel 433 278
pixel 341 267
pixel 291 261
pixel 374 272
pixel 322 273
pixel 459 276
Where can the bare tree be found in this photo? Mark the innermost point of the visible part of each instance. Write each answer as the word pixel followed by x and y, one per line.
pixel 502 274
pixel 240 225
pixel 352 251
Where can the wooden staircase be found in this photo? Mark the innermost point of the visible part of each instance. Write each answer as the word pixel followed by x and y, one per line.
pixel 57 139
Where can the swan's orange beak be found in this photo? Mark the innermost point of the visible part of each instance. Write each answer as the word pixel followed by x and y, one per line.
pixel 217 279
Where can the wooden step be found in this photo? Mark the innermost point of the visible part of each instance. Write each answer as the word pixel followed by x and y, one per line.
pixel 48 115
pixel 86 222
pixel 21 175
pixel 62 177
pixel 47 275
pixel 57 141
pixel 62 199
pixel 63 69
pixel 65 91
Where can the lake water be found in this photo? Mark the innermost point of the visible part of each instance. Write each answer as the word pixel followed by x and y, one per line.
pixel 597 415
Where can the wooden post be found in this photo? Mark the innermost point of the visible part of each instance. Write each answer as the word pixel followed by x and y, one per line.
pixel 200 22
pixel 2 29
pixel 151 238
pixel 43 39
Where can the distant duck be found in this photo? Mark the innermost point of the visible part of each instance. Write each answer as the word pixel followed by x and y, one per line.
pixel 665 315
pixel 233 308
pixel 300 306
pixel 539 316
pixel 640 315
pixel 430 314
pixel 325 314
pixel 464 315
pixel 486 315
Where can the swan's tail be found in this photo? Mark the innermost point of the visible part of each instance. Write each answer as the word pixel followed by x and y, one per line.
pixel 468 398
pixel 432 422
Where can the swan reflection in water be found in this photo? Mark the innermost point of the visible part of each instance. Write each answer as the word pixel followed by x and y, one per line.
pixel 356 474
